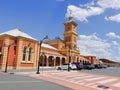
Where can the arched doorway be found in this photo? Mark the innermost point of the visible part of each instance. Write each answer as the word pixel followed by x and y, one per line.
pixel 57 61
pixel 50 61
pixel 45 61
pixel 63 60
pixel 41 61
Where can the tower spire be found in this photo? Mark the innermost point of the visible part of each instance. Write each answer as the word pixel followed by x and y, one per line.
pixel 70 16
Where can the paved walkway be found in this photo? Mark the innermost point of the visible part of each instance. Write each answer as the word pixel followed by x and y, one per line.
pixel 81 81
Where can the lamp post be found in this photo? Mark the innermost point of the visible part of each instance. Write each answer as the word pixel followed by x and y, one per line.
pixel 38 71
pixel 8 55
pixel 68 59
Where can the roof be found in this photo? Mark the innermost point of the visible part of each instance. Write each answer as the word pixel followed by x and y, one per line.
pixel 54 40
pixel 71 22
pixel 48 46
pixel 107 61
pixel 16 33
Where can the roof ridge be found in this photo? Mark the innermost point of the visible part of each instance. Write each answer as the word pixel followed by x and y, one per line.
pixel 18 32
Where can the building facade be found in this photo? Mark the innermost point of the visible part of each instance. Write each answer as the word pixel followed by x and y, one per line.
pixel 19 50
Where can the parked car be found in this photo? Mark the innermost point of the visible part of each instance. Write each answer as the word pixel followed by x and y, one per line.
pixel 98 66
pixel 104 66
pixel 79 65
pixel 65 66
pixel 88 66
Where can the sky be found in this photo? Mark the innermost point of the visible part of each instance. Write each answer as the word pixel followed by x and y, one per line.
pixel 98 22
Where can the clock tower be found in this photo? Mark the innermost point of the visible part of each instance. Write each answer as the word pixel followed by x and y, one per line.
pixel 70 39
pixel 70 35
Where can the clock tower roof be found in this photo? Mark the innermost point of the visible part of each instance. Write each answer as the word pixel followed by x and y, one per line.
pixel 70 18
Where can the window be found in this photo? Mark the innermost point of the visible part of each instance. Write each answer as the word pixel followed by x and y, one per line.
pixel 24 53
pixel 29 54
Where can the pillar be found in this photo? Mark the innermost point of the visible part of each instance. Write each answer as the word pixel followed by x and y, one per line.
pixel 19 53
pixel 47 64
pixel 4 53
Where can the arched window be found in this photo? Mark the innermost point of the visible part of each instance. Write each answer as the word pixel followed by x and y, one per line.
pixel 24 53
pixel 29 54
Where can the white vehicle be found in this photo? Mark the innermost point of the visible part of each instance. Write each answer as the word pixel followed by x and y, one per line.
pixel 65 66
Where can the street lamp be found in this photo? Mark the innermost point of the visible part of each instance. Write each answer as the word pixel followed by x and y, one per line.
pixel 46 37
pixel 14 44
pixel 68 59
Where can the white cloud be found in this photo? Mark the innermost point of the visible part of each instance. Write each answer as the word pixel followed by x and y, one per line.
pixel 115 43
pixel 82 14
pixel 117 59
pixel 114 4
pixel 119 51
pixel 112 35
pixel 93 45
pixel 87 5
pixel 84 11
pixel 115 18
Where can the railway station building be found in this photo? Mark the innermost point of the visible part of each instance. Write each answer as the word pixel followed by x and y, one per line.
pixel 18 50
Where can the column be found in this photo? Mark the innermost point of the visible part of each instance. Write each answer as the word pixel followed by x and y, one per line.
pixel 4 53
pixel 19 53
pixel 35 59
pixel 54 61
pixel 60 61
pixel 47 64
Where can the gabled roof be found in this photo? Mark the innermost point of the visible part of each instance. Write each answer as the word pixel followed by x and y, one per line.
pixel 48 46
pixel 106 60
pixel 16 33
pixel 55 40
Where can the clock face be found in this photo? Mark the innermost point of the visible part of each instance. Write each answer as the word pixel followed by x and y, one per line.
pixel 68 27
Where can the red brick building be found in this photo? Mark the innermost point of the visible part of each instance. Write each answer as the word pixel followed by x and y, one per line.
pixel 21 51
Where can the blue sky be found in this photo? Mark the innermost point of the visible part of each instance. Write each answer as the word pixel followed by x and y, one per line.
pixel 98 22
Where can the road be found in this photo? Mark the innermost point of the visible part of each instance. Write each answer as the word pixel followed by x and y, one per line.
pixel 86 79
pixel 97 79
pixel 22 82
pixel 108 71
